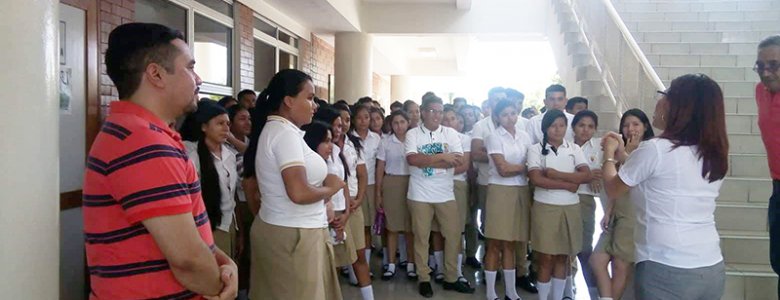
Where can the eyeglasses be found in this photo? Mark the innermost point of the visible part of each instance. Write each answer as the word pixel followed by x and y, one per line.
pixel 435 112
pixel 660 95
pixel 761 67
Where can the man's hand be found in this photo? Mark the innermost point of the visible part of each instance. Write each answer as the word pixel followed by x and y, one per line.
pixel 572 187
pixel 229 276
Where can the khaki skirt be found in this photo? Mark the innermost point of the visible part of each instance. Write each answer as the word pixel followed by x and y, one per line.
pixel 508 213
pixel 618 241
pixel 556 229
pixel 226 241
pixel 345 253
pixel 462 198
pixel 394 188
pixel 369 207
pixel 292 263
pixel 355 224
pixel 588 209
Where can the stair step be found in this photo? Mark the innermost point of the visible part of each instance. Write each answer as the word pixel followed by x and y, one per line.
pixel 732 88
pixel 701 36
pixel 721 26
pixel 738 123
pixel 730 216
pixel 746 285
pixel 717 73
pixel 728 16
pixel 748 165
pixel 745 190
pixel 701 60
pixel 744 247
pixel 743 143
pixel 699 48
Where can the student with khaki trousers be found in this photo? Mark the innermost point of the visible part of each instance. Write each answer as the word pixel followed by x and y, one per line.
pixel 433 151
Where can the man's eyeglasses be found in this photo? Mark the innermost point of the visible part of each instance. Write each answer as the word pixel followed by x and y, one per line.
pixel 761 67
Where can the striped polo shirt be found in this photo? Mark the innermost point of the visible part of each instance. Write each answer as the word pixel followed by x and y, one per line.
pixel 137 169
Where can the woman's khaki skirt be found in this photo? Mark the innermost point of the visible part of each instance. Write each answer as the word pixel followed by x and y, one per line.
pixel 345 252
pixel 618 241
pixel 292 263
pixel 394 188
pixel 556 229
pixel 369 207
pixel 508 213
pixel 226 241
pixel 462 198
pixel 355 224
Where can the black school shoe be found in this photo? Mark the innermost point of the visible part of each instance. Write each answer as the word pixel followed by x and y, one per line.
pixel 426 290
pixel 473 262
pixel 525 283
pixel 459 286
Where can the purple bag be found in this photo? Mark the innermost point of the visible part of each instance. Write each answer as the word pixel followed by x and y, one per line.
pixel 379 222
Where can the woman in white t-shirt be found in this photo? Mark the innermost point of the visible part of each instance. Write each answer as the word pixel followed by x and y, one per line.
pixel 392 183
pixel 205 133
pixel 556 167
pixel 291 253
pixel 674 180
pixel 508 204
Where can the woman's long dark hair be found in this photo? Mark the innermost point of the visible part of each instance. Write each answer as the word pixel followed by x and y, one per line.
pixel 392 116
pixel 352 138
pixel 547 121
pixel 316 132
pixel 696 117
pixel 328 114
pixel 285 83
pixel 639 114
pixel 209 178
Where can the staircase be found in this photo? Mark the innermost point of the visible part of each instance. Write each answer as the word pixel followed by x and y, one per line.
pixel 714 37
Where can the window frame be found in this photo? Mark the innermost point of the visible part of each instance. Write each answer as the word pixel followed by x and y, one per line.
pixel 273 41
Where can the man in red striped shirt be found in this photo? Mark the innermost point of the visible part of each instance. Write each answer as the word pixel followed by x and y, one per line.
pixel 146 230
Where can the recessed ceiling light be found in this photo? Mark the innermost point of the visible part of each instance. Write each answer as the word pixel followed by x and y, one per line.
pixel 427 51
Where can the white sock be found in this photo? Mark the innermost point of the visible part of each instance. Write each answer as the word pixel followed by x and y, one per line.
pixel 352 277
pixel 367 292
pixel 557 287
pixel 509 284
pixel 490 280
pixel 605 298
pixel 460 262
pixel 409 267
pixel 391 268
pixel 431 262
pixel 402 247
pixel 568 290
pixel 368 255
pixel 385 254
pixel 439 255
pixel 544 290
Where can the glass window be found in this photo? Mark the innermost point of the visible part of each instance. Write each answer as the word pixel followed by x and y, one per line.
pixel 265 64
pixel 162 12
pixel 218 5
pixel 288 39
pixel 265 27
pixel 212 51
pixel 287 61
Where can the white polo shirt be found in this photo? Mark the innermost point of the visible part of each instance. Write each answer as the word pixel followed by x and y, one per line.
pixel 594 155
pixel 391 151
pixel 431 185
pixel 568 158
pixel 535 128
pixel 465 142
pixel 335 167
pixel 228 177
pixel 482 129
pixel 675 206
pixel 370 148
pixel 279 147
pixel 353 160
pixel 514 149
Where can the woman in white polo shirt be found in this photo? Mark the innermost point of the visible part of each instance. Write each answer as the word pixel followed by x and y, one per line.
pixel 361 121
pixel 556 167
pixel 508 204
pixel 616 243
pixel 392 183
pixel 290 259
pixel 674 180
pixel 456 121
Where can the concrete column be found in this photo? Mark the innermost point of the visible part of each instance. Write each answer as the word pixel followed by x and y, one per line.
pixel 399 88
pixel 353 77
pixel 29 154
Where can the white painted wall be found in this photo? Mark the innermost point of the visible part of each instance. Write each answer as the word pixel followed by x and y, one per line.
pixel 353 66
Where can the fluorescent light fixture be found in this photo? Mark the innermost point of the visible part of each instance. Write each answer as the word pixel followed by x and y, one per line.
pixel 428 52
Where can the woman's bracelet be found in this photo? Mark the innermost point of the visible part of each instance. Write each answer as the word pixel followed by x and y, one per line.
pixel 609 160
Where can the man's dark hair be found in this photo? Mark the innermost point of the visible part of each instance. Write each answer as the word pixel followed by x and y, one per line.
pixel 396 104
pixel 554 88
pixel 514 94
pixel 574 100
pixel 224 101
pixel 426 103
pixel 243 93
pixel 772 40
pixel 132 47
pixel 495 90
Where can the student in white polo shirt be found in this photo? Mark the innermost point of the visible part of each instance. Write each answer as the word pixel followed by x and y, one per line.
pixel 291 226
pixel 554 98
pixel 361 121
pixel 556 167
pixel 433 152
pixel 508 205
pixel 456 121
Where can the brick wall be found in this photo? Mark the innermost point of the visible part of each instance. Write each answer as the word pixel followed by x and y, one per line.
pixel 246 47
pixel 317 58
pixel 112 14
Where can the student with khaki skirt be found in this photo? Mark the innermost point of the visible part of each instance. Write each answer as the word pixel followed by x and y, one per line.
pixel 616 243
pixel 585 124
pixel 433 151
pixel 556 167
pixel 392 183
pixel 361 121
pixel 291 256
pixel 508 205
pixel 456 121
